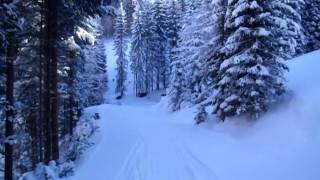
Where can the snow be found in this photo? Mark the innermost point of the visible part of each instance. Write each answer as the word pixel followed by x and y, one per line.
pixel 139 139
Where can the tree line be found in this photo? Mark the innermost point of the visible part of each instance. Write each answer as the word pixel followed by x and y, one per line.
pixel 227 57
pixel 153 32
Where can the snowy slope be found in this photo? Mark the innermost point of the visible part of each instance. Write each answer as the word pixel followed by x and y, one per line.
pixel 145 142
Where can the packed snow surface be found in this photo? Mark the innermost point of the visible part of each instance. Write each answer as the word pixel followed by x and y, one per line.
pixel 139 140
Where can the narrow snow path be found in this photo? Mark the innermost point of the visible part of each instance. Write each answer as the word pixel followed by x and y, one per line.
pixel 139 140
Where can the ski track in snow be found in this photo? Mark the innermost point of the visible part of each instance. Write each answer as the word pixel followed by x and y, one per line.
pixel 139 140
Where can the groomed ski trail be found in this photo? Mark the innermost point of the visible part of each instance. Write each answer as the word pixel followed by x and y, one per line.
pixel 135 144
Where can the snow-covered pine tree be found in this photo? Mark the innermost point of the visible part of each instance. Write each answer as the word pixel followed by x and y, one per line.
pixel 294 14
pixel 129 7
pixel 159 41
pixel 311 21
pixel 9 29
pixel 290 11
pixel 173 26
pixel 95 65
pixel 138 54
pixel 210 22
pixel 144 50
pixel 160 62
pixel 172 32
pixel 151 43
pixel 197 43
pixel 176 86
pixel 213 54
pixel 179 92
pixel 207 28
pixel 252 73
pixel 120 45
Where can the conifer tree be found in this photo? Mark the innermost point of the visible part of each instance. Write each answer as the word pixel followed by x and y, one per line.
pixel 311 21
pixel 188 44
pixel 295 10
pixel 176 86
pixel 10 27
pixel 128 6
pixel 252 72
pixel 120 45
pixel 172 33
pixel 199 40
pixel 138 54
pixel 159 41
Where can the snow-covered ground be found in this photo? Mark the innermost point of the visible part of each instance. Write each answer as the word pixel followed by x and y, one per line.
pixel 139 140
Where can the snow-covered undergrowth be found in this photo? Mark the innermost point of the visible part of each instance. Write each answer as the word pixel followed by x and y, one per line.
pixel 72 149
pixel 140 140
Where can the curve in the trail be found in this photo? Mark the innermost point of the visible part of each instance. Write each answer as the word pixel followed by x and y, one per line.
pixel 148 149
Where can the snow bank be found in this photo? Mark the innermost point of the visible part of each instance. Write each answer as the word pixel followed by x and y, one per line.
pixel 283 144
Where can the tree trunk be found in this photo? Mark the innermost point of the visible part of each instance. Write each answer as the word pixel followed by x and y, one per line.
pixel 32 121
pixel 158 79
pixel 40 128
pixel 51 100
pixel 10 56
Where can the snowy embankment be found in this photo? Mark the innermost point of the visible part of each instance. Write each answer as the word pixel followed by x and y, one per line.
pixel 146 142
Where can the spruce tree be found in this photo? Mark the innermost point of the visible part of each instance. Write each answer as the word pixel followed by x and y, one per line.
pixel 120 45
pixel 10 27
pixel 252 72
pixel 159 41
pixel 176 86
pixel 172 32
pixel 188 44
pixel 295 10
pixel 311 21
pixel 151 47
pixel 197 42
pixel 138 54
pixel 129 7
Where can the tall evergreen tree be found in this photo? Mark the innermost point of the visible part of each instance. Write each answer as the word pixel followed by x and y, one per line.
pixel 10 27
pixel 188 45
pixel 252 73
pixel 138 54
pixel 159 41
pixel 120 45
pixel 177 84
pixel 200 39
pixel 173 13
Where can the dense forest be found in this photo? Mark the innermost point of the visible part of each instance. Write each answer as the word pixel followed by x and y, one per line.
pixel 226 58
pixel 52 67
pixel 227 55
